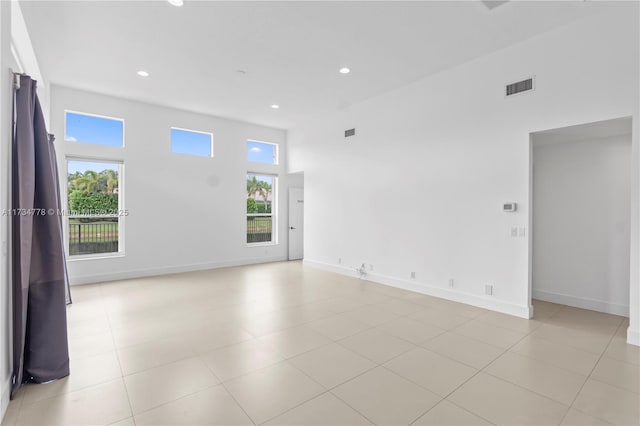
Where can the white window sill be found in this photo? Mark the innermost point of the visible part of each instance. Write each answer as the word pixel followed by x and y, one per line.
pixel 94 256
pixel 262 244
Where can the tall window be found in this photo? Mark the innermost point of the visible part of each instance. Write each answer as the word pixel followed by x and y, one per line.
pixel 95 211
pixel 261 191
pixel 95 129
pixel 262 152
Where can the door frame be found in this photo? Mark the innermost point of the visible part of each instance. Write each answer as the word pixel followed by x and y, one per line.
pixel 289 225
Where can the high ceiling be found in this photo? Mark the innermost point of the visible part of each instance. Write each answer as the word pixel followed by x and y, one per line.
pixel 289 52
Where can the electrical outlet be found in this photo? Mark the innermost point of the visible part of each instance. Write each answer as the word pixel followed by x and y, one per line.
pixel 523 232
pixel 488 290
pixel 514 231
pixel 413 275
pixel 339 261
pixel 370 267
pixel 450 282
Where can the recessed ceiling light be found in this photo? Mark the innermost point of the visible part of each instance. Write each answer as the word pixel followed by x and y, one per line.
pixel 274 106
pixel 176 3
pixel 143 73
pixel 345 70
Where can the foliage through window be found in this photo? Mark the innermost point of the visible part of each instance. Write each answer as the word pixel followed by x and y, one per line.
pixel 262 152
pixel 94 207
pixel 191 142
pixel 260 210
pixel 93 129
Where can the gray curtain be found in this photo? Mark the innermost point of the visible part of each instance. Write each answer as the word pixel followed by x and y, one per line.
pixel 40 349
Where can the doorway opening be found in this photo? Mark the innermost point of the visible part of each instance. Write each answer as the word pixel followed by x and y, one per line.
pixel 580 215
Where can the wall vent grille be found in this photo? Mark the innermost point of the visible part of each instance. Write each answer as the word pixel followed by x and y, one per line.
pixel 519 87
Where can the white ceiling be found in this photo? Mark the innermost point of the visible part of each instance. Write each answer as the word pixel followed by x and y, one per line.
pixel 291 51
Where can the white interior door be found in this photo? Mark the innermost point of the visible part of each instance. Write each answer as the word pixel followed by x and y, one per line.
pixel 296 223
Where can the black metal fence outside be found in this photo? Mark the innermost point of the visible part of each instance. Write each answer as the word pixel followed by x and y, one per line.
pixel 93 238
pixel 259 229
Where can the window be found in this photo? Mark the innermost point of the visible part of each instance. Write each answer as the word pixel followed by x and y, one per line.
pixel 262 152
pixel 95 211
pixel 261 190
pixel 93 129
pixel 191 142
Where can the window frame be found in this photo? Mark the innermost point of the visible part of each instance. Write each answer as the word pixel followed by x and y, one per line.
pixel 182 129
pixel 276 152
pixel 120 217
pixel 273 214
pixel 88 114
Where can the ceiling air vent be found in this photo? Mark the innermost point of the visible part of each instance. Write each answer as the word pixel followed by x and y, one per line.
pixel 519 87
pixel 350 132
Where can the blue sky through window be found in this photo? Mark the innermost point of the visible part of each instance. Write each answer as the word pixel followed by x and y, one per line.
pixel 260 152
pixel 91 129
pixel 266 179
pixel 192 143
pixel 82 166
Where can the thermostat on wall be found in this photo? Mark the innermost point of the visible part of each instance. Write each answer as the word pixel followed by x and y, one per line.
pixel 509 207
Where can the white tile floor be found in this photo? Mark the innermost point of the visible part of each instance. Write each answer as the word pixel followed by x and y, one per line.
pixel 284 344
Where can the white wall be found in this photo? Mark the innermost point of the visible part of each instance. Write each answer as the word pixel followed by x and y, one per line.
pixel 633 331
pixel 185 212
pixel 581 223
pixel 296 180
pixel 5 143
pixel 420 187
pixel 23 57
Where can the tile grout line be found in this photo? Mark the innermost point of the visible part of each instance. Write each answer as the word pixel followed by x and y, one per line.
pixel 595 365
pixel 286 360
pixel 481 370
pixel 349 405
pixel 547 321
pixel 238 403
pixel 484 370
pixel 329 390
pixel 124 384
pixel 66 392
pixel 375 363
pixel 591 373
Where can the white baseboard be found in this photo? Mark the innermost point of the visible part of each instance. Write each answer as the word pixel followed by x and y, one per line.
pixel 4 399
pixel 140 273
pixel 633 336
pixel 443 293
pixel 582 302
